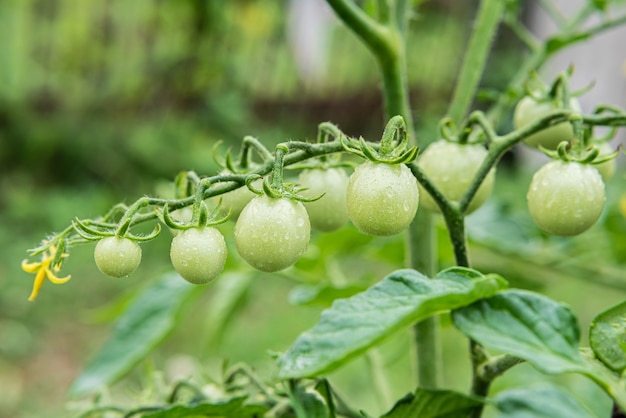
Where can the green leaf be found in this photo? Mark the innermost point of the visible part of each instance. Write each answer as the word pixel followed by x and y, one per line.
pixel 353 325
pixel 527 325
pixel 308 402
pixel 321 294
pixel 540 402
pixel 231 408
pixel 433 403
pixel 607 337
pixel 140 329
pixel 228 293
pixel 324 389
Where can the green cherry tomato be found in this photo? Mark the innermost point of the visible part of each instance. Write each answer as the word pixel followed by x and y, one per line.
pixel 451 167
pixel 198 254
pixel 607 168
pixel 382 199
pixel 329 212
pixel 528 110
pixel 237 199
pixel 271 234
pixel 117 257
pixel 566 198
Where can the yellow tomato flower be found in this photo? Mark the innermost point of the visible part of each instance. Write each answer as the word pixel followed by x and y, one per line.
pixel 43 269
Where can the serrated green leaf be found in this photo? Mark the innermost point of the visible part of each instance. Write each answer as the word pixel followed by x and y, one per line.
pixel 146 322
pixel 353 325
pixel 433 403
pixel 607 337
pixel 527 325
pixel 231 408
pixel 540 402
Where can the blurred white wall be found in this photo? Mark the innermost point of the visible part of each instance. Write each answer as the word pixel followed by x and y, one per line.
pixel 600 60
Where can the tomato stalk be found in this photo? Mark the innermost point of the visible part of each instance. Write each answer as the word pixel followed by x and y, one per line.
pixel 486 25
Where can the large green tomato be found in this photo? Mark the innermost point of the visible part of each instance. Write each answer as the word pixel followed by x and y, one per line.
pixel 329 212
pixel 198 254
pixel 271 234
pixel 451 167
pixel 566 198
pixel 528 110
pixel 382 199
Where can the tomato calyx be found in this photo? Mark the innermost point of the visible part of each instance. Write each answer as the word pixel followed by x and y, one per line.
pixel 94 231
pixel 576 152
pixel 393 148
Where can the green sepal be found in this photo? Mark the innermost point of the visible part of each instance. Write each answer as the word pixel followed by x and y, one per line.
pixel 251 179
pixel 142 238
pixel 89 233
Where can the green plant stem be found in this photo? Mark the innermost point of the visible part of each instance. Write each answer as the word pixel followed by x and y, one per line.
pixel 379 379
pixel 541 53
pixel 387 44
pixel 386 40
pixel 486 24
pixel 485 27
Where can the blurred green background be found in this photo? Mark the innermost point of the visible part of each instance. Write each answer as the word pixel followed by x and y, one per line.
pixel 104 101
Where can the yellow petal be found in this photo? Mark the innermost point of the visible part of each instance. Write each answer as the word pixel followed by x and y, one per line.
pixel 30 267
pixel 58 280
pixel 622 205
pixel 39 279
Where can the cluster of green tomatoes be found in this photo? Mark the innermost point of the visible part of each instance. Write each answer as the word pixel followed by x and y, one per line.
pixel 272 230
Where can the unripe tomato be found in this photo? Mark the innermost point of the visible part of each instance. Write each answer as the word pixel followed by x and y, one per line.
pixel 117 257
pixel 382 199
pixel 329 212
pixel 271 234
pixel 566 198
pixel 607 168
pixel 237 199
pixel 528 110
pixel 198 254
pixel 451 167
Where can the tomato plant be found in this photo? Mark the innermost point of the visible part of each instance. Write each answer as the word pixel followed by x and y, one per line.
pixel 382 198
pixel 566 198
pixel 117 256
pixel 375 289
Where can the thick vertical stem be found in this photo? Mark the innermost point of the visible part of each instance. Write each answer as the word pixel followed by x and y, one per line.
pixel 395 85
pixel 386 40
pixel 485 26
pixel 422 256
pixel 421 242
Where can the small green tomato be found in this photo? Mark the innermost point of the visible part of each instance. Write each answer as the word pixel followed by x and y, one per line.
pixel 528 110
pixel 198 254
pixel 451 167
pixel 237 199
pixel 382 199
pixel 329 212
pixel 566 198
pixel 607 168
pixel 116 256
pixel 271 234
